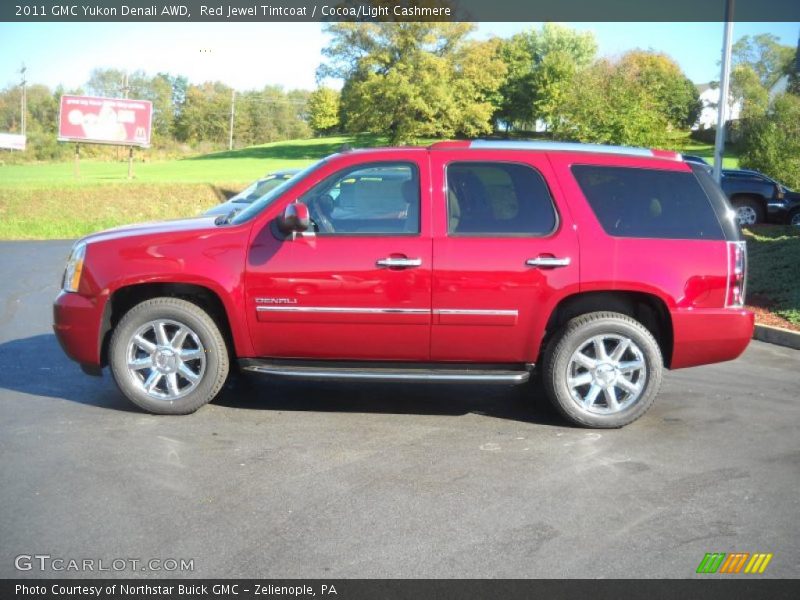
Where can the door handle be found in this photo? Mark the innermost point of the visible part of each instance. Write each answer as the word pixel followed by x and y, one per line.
pixel 403 263
pixel 548 261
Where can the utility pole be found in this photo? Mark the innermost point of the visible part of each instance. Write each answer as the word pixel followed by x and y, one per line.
pixel 125 89
pixel 724 87
pixel 233 108
pixel 23 100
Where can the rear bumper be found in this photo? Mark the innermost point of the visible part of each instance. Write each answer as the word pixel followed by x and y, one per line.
pixel 76 323
pixel 704 336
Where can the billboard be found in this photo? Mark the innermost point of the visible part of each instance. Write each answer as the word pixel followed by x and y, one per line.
pixel 12 141
pixel 118 121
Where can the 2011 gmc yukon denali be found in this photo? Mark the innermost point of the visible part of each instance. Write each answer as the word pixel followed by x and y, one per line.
pixel 592 267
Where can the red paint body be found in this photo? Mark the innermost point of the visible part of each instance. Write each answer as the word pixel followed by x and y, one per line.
pixel 245 264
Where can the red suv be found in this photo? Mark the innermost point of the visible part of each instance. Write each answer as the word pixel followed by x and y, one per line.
pixel 461 262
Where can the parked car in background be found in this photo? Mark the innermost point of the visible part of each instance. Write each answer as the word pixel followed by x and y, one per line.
pixel 697 160
pixel 757 198
pixel 252 192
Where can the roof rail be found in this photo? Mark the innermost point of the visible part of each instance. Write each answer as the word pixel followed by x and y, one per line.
pixel 571 147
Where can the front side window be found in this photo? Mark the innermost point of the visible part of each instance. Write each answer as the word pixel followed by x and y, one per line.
pixel 648 203
pixel 498 199
pixel 377 198
pixel 271 195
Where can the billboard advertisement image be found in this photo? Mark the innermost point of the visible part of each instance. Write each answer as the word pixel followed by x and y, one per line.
pixel 119 121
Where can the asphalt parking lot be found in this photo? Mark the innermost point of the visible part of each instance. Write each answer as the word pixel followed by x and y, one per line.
pixel 319 480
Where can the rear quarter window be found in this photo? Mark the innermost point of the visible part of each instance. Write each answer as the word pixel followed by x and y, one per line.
pixel 648 203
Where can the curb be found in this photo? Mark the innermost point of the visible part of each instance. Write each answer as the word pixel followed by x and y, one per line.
pixel 777 335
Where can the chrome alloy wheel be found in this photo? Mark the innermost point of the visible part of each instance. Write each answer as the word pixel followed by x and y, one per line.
pixel 606 374
pixel 166 359
pixel 746 215
pixel 795 221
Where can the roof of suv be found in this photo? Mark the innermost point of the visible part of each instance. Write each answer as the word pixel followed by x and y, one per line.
pixel 532 145
pixel 546 146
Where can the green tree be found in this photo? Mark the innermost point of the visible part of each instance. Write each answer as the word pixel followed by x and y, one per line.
pixel 541 67
pixel 747 87
pixel 270 115
pixel 609 106
pixel 794 75
pixel 635 100
pixel 204 114
pixel 413 80
pixel 674 94
pixel 768 58
pixel 324 105
pixel 771 142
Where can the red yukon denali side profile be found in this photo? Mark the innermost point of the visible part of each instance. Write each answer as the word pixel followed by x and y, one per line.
pixel 590 267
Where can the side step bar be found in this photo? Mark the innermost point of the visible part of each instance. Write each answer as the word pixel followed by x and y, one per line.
pixel 395 373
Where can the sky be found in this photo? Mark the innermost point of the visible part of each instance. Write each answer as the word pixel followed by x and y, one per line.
pixel 252 55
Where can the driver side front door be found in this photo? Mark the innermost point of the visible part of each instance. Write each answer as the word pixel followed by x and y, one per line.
pixel 357 288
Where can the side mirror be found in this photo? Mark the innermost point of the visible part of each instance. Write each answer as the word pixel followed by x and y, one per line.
pixel 295 219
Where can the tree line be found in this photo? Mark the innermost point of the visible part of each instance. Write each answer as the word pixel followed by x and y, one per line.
pixel 186 117
pixel 413 81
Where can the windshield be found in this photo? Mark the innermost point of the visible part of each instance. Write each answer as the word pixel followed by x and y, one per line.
pixel 264 201
pixel 247 192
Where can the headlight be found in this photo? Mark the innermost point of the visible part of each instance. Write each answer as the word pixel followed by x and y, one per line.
pixel 72 274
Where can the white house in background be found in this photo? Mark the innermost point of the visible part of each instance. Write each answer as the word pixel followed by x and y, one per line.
pixel 709 97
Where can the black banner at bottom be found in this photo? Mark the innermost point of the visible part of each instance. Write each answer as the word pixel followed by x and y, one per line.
pixel 401 589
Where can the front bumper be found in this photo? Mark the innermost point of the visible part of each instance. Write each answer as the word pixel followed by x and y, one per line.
pixel 705 336
pixel 76 323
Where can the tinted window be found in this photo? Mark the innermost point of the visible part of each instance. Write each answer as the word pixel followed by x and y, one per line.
pixel 368 199
pixel 498 199
pixel 648 203
pixel 725 214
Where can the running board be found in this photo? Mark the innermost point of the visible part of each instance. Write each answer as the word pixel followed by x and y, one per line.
pixel 395 373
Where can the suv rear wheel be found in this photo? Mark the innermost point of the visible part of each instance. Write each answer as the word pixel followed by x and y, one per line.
pixel 602 370
pixel 168 356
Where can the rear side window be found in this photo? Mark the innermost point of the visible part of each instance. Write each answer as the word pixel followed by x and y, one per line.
pixel 648 203
pixel 497 199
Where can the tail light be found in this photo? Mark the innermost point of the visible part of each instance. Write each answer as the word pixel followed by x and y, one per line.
pixel 737 274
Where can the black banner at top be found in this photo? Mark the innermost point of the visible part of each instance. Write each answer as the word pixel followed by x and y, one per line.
pixel 396 10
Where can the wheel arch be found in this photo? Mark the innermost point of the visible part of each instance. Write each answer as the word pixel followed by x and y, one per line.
pixel 649 309
pixel 126 297
pixel 758 198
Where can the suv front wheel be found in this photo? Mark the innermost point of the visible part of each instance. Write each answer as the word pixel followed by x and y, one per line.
pixel 602 370
pixel 168 356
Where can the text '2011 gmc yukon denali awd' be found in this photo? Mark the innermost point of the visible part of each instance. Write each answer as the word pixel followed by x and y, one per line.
pixel 461 262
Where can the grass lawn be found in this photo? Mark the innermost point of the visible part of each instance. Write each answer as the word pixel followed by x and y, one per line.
pixel 773 276
pixel 242 165
pixel 47 201
pixel 681 142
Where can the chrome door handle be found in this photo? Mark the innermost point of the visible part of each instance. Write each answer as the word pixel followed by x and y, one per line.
pixel 548 261
pixel 399 262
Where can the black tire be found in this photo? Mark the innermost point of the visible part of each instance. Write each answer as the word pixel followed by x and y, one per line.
pixel 748 204
pixel 794 218
pixel 211 348
pixel 577 334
